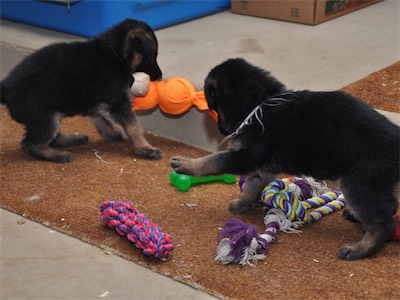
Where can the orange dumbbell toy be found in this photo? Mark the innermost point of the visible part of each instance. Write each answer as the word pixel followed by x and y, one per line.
pixel 174 96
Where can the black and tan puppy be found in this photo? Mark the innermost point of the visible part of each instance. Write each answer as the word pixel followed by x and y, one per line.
pixel 90 78
pixel 327 135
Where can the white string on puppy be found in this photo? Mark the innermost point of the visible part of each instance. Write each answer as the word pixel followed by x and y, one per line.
pixel 258 114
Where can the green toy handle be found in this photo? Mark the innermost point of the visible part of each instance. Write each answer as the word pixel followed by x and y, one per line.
pixel 184 182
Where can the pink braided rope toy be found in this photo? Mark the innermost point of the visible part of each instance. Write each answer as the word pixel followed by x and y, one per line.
pixel 127 220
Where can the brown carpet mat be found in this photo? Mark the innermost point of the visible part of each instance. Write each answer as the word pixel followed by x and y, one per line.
pixel 380 89
pixel 67 197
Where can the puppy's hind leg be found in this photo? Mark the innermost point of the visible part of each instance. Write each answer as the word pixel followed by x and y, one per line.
pixel 39 135
pixel 373 206
pixel 108 129
pixel 122 122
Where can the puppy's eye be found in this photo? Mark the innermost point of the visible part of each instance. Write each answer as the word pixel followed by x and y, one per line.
pixel 211 91
pixel 210 94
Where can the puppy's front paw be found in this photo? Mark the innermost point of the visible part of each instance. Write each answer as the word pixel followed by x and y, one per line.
pixel 68 140
pixel 349 216
pixel 240 206
pixel 183 165
pixel 149 153
pixel 110 138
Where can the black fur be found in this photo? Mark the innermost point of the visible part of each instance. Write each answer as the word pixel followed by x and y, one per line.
pixel 90 78
pixel 327 135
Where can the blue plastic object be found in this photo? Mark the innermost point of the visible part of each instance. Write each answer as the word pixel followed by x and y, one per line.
pixel 89 17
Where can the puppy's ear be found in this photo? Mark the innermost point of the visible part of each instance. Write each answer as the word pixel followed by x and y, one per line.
pixel 138 42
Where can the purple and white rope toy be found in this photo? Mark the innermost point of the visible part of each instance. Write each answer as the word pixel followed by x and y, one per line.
pixel 240 243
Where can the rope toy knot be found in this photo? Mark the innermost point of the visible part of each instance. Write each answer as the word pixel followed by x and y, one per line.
pixel 124 218
pixel 287 195
pixel 277 194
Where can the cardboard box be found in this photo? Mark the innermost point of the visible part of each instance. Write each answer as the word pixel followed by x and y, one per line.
pixel 300 11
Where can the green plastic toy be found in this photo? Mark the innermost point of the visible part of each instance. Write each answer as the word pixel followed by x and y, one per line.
pixel 184 182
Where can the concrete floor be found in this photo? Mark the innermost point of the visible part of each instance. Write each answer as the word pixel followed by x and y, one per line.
pixel 37 263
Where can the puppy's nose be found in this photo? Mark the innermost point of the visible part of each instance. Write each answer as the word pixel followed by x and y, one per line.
pixel 222 129
pixel 156 75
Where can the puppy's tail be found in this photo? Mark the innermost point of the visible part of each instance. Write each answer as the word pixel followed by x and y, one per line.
pixel 4 91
